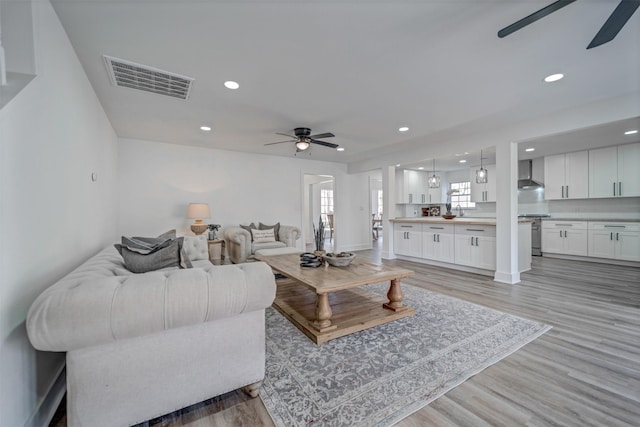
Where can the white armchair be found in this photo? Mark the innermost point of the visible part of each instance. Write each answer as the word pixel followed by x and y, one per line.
pixel 240 245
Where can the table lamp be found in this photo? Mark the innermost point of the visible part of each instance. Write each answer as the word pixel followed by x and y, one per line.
pixel 198 211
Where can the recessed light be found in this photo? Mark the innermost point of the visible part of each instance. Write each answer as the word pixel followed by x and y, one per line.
pixel 421 168
pixel 553 77
pixel 403 129
pixel 530 150
pixel 340 148
pixel 398 165
pixel 631 132
pixel 205 128
pixel 463 161
pixel 230 84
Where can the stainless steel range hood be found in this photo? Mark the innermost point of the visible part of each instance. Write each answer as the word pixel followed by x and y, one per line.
pixel 525 179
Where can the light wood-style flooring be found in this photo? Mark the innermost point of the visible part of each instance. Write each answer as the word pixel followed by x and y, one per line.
pixel 583 372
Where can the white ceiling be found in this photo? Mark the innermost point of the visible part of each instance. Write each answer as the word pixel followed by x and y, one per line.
pixel 357 68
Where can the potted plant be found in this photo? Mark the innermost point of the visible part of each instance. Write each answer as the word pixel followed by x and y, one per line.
pixel 212 230
pixel 448 204
pixel 318 235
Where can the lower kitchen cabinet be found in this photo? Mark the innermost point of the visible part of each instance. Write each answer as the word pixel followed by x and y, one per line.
pixel 438 242
pixel 475 246
pixel 408 239
pixel 565 237
pixel 614 240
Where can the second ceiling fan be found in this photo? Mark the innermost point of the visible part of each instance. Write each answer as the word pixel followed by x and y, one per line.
pixel 304 139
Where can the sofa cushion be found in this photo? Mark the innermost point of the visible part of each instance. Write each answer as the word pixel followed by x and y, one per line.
pixel 271 245
pixel 276 228
pixel 196 247
pixel 263 236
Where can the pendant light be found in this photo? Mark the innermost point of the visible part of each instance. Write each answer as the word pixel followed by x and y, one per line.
pixel 481 174
pixel 434 180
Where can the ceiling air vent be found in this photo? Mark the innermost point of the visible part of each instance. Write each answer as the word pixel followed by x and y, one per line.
pixel 136 76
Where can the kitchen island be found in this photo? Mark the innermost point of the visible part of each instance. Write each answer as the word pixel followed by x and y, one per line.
pixel 462 243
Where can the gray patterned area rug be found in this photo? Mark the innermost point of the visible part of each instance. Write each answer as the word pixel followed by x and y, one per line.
pixel 379 376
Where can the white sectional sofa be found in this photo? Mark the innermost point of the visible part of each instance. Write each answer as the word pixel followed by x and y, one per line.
pixel 143 345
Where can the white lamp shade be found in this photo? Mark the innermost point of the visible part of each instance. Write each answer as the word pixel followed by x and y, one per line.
pixel 302 145
pixel 198 211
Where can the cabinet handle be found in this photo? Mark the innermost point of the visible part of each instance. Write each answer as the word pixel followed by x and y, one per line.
pixel 438 238
pixel 475 229
pixel 565 233
pixel 611 236
pixel 406 226
pixel 472 241
pixel 567 191
pixel 614 188
pixel 617 236
pixel 562 188
pixel 560 233
pixel 477 242
pixel 619 188
pixel 434 237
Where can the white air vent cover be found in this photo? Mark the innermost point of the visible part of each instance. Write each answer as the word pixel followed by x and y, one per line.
pixel 136 76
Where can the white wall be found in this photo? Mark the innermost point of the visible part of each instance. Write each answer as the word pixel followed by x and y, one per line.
pixel 158 180
pixel 53 135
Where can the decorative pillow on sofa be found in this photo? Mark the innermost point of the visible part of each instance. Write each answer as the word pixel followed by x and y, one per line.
pixel 143 254
pixel 263 236
pixel 249 227
pixel 276 229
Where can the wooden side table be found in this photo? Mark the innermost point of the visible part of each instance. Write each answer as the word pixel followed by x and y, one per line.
pixel 216 251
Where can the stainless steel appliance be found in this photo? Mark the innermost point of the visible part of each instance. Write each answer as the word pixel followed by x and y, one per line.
pixel 536 232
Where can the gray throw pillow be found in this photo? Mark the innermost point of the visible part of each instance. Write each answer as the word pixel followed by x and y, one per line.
pixel 276 229
pixel 248 228
pixel 138 258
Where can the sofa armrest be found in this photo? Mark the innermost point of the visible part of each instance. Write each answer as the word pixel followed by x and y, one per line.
pixel 289 234
pixel 237 241
pixel 86 310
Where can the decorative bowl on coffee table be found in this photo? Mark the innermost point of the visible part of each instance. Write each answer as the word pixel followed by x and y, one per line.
pixel 341 259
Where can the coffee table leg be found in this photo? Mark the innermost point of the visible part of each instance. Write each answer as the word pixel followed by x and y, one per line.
pixel 323 313
pixel 395 297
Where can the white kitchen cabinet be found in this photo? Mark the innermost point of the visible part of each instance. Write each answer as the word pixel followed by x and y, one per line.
pixel 438 242
pixel 566 176
pixel 614 171
pixel 614 240
pixel 410 187
pixel 484 192
pixel 407 239
pixel 565 237
pixel 475 246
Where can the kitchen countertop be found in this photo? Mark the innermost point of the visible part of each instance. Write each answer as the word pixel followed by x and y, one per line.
pixel 457 220
pixel 594 219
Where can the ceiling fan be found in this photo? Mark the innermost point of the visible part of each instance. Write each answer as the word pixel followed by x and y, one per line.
pixel 304 139
pixel 609 30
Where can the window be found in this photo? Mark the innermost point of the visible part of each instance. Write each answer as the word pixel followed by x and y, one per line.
pixel 326 202
pixel 463 196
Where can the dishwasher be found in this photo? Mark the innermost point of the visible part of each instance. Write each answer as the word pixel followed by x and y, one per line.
pixel 536 232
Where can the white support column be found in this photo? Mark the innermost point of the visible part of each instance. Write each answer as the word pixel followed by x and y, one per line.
pixel 507 213
pixel 3 65
pixel 389 209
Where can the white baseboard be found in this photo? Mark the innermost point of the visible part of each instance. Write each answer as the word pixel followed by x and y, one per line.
pixel 508 278
pixel 358 247
pixel 50 402
pixel 592 259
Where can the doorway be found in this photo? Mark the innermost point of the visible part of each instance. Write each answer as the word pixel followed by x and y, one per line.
pixel 319 200
pixel 376 208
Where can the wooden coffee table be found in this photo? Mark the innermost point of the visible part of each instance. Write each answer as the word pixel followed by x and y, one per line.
pixel 326 303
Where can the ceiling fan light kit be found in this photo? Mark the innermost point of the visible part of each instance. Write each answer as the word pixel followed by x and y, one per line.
pixel 303 139
pixel 608 31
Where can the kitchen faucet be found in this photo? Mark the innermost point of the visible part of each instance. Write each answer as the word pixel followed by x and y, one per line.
pixel 460 211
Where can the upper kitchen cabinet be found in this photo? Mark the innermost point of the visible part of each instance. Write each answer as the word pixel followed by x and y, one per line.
pixel 614 171
pixel 484 192
pixel 566 176
pixel 409 186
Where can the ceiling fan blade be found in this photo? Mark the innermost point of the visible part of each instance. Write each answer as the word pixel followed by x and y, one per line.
pixel 534 17
pixel 614 24
pixel 326 144
pixel 281 142
pixel 322 135
pixel 286 134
